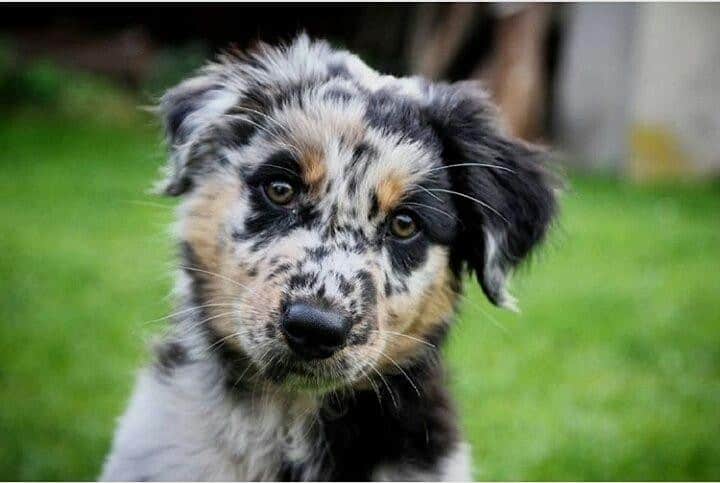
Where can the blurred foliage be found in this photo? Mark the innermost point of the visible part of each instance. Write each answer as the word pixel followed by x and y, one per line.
pixel 43 86
pixel 28 84
pixel 173 65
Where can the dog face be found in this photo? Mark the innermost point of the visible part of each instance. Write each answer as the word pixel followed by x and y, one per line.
pixel 329 212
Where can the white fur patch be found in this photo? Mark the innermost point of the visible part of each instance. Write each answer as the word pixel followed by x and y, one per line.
pixel 188 428
pixel 495 275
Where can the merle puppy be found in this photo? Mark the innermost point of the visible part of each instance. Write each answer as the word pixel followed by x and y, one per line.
pixel 328 215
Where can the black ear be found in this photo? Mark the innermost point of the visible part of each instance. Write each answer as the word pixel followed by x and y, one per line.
pixel 189 112
pixel 507 198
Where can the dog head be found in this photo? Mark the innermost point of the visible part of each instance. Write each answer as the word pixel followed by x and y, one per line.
pixel 329 212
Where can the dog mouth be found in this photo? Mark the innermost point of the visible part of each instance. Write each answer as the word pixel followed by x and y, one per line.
pixel 317 375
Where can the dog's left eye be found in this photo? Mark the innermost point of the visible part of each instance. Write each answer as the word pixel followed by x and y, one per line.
pixel 403 225
pixel 280 192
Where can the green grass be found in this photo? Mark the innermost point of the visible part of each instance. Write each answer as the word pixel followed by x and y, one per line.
pixel 612 371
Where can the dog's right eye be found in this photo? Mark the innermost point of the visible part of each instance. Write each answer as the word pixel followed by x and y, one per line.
pixel 280 192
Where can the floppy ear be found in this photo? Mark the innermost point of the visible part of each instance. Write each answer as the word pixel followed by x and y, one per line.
pixel 506 199
pixel 190 111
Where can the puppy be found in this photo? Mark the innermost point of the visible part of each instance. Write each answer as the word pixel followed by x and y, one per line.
pixel 328 215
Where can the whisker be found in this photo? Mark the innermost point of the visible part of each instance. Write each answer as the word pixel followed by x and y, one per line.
pixel 282 167
pixel 194 325
pixel 261 114
pixel 273 135
pixel 239 378
pixel 148 203
pixel 376 390
pixel 240 117
pixel 387 385
pixel 480 165
pixel 432 208
pixel 481 203
pixel 466 299
pixel 223 277
pixel 429 192
pixel 222 339
pixel 486 314
pixel 180 312
pixel 199 134
pixel 382 353
pixel 398 334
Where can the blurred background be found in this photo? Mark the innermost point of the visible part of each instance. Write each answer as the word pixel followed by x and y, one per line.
pixel 611 371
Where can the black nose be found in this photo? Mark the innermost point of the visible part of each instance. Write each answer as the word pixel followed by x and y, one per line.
pixel 312 332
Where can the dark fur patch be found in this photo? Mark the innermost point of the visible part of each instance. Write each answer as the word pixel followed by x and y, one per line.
pixel 317 253
pixel 374 207
pixel 338 69
pixel 170 355
pixel 395 114
pixel 302 280
pixel 368 291
pixel 363 155
pixel 338 95
pixel 238 133
pixel 344 285
pixel 279 270
pixel 179 103
pixel 365 430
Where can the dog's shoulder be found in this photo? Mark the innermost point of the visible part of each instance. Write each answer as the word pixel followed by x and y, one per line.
pixel 165 431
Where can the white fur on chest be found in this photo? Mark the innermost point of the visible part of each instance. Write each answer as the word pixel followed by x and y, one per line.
pixel 188 428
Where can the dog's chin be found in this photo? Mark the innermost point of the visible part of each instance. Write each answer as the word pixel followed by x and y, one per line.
pixel 320 385
pixel 317 376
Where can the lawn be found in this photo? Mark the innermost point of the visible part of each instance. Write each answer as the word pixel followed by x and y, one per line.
pixel 611 371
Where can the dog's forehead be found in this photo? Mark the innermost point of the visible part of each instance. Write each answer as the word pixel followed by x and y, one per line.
pixel 353 143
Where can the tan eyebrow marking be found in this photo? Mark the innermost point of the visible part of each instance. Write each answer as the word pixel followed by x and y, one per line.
pixel 314 169
pixel 391 191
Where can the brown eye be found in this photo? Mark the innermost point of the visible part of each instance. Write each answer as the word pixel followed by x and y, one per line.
pixel 280 192
pixel 403 225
